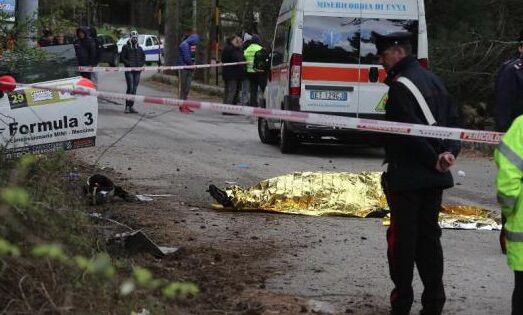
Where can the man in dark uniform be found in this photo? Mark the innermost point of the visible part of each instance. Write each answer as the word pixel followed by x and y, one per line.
pixel 509 90
pixel 418 172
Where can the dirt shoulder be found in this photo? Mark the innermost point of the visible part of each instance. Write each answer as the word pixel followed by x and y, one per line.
pixel 218 254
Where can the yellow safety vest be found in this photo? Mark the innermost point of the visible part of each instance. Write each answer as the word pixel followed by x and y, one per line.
pixel 509 159
pixel 249 54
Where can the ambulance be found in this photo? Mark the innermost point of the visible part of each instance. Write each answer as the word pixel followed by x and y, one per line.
pixel 324 60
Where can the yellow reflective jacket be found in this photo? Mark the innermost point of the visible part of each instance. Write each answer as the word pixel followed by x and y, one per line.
pixel 249 54
pixel 509 159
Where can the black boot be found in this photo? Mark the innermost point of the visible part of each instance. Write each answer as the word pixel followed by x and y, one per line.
pixel 132 110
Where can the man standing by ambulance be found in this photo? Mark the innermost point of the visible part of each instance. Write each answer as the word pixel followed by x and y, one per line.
pixel 257 77
pixel 509 159
pixel 509 90
pixel 418 172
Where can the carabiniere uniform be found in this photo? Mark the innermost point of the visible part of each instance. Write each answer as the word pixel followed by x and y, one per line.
pixel 509 93
pixel 413 186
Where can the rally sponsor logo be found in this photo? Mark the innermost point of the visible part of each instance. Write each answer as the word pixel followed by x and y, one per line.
pixel 63 95
pixel 481 136
pixel 41 95
pixel 37 97
pixel 51 147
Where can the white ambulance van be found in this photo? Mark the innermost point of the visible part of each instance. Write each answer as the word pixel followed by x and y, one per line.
pixel 324 61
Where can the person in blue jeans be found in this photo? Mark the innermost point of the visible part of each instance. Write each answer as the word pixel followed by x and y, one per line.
pixel 132 56
pixel 187 57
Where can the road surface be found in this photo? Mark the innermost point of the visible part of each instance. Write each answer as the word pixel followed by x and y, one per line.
pixel 339 261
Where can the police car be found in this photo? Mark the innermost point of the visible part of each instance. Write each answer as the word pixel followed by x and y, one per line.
pixel 151 45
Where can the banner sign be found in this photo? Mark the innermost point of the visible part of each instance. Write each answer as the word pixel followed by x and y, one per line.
pixel 39 121
pixel 8 7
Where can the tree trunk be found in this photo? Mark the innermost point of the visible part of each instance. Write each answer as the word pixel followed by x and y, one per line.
pixel 132 13
pixel 172 31
pixel 27 10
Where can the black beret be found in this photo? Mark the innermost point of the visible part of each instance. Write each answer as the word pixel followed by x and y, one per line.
pixel 384 42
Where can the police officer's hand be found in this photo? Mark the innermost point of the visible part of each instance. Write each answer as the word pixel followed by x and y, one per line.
pixel 445 162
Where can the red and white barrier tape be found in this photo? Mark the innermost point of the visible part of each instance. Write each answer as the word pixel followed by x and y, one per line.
pixel 368 125
pixel 159 68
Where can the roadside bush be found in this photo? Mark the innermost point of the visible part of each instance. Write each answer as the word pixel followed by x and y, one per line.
pixel 53 260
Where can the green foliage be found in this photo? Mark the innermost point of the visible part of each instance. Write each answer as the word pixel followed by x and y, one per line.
pixel 173 290
pixel 21 57
pixel 142 276
pixel 27 161
pixel 468 41
pixel 8 249
pixel 109 30
pixel 16 197
pixel 46 241
pixel 57 21
pixel 53 252
pixel 100 265
pixel 14 53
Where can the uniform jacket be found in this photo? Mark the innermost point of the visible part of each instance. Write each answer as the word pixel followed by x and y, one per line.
pixel 185 54
pixel 412 160
pixel 509 93
pixel 132 55
pixel 232 54
pixel 509 159
pixel 85 49
pixel 249 54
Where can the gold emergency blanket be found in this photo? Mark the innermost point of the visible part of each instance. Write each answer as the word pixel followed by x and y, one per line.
pixel 316 194
pixel 339 194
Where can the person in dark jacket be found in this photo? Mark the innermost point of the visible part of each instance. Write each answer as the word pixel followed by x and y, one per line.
pixel 509 90
pixel 417 174
pixel 233 75
pixel 85 48
pixel 187 57
pixel 93 33
pixel 132 56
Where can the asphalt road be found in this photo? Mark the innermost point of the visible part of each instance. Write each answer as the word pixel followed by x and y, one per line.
pixel 336 260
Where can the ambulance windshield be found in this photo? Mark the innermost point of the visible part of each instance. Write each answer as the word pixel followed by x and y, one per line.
pixel 348 40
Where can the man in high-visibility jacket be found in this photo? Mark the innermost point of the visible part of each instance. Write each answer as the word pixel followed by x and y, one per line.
pixel 257 77
pixel 509 159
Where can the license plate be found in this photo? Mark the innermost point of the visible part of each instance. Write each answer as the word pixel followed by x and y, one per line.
pixel 329 96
